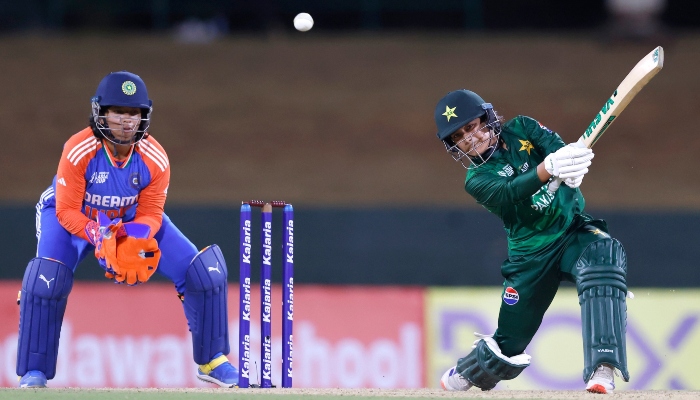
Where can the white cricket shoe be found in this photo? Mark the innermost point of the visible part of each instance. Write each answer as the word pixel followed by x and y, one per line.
pixel 453 381
pixel 602 381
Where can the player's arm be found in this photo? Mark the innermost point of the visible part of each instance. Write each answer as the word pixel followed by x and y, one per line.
pixel 70 186
pixel 492 190
pixel 151 202
pixel 560 160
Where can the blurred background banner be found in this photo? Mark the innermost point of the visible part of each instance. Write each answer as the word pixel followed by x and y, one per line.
pixel 353 337
pixel 119 336
pixel 339 122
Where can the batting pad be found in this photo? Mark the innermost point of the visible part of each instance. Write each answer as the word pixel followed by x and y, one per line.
pixel 205 304
pixel 601 274
pixel 45 289
pixel 485 366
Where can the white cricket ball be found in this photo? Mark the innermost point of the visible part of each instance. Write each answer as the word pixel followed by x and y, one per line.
pixel 303 22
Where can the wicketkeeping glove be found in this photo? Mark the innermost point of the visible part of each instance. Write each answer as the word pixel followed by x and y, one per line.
pixel 124 249
pixel 133 260
pixel 569 162
pixel 96 230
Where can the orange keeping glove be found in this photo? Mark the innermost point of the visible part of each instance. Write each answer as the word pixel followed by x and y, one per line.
pixel 133 260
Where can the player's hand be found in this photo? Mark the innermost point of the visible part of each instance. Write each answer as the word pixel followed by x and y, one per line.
pixel 573 182
pixel 570 161
pixel 97 230
pixel 132 260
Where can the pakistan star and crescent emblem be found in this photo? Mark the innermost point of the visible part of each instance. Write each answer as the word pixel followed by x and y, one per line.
pixel 598 232
pixel 527 146
pixel 449 112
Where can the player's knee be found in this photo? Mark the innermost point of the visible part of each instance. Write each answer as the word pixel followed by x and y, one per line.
pixel 47 279
pixel 207 271
pixel 602 263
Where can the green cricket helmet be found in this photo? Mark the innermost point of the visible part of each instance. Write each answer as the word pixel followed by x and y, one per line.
pixel 457 109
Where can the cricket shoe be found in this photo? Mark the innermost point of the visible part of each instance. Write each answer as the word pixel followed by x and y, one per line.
pixel 33 379
pixel 602 381
pixel 219 371
pixel 451 380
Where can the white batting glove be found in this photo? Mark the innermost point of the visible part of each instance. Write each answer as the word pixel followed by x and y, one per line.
pixel 573 182
pixel 570 161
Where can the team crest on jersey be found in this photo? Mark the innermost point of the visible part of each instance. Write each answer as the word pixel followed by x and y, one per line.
pixel 129 88
pixel 135 181
pixel 511 296
pixel 526 146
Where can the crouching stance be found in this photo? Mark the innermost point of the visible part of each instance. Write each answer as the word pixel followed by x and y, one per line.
pixel 107 198
pixel 514 170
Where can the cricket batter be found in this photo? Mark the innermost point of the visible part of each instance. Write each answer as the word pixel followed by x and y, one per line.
pixel 108 197
pixel 513 170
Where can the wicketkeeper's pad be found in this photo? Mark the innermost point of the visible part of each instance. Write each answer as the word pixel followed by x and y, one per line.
pixel 43 299
pixel 205 303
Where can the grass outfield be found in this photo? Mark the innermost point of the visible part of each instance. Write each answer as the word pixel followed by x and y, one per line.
pixel 323 394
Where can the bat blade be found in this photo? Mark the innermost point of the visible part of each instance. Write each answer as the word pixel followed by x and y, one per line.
pixel 635 80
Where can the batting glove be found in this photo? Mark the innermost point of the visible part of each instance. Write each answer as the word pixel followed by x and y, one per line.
pixel 568 162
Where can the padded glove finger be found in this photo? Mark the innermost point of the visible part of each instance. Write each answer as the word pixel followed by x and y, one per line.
pixel 574 171
pixel 568 156
pixel 573 182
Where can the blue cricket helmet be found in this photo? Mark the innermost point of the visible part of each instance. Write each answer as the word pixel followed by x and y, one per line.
pixel 123 89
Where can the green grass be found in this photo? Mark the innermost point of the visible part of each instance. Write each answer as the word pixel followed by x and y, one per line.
pixel 169 394
pixel 84 394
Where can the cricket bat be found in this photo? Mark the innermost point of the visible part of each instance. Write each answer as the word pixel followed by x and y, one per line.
pixel 635 80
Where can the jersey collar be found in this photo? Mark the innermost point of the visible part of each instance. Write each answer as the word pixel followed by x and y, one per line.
pixel 113 162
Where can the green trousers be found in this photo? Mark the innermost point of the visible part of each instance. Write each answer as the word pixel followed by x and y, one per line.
pixel 532 281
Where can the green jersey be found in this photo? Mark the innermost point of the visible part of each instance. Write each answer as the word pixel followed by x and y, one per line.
pixel 508 186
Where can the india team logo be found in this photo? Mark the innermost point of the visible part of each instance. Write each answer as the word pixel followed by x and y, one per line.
pixel 511 296
pixel 135 181
pixel 129 88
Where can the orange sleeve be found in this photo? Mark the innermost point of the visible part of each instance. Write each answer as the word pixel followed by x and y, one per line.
pixel 152 198
pixel 70 181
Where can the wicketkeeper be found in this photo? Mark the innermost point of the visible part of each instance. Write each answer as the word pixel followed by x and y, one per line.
pixel 107 198
pixel 514 170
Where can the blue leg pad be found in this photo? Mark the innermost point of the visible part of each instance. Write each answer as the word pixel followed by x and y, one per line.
pixel 205 304
pixel 43 300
